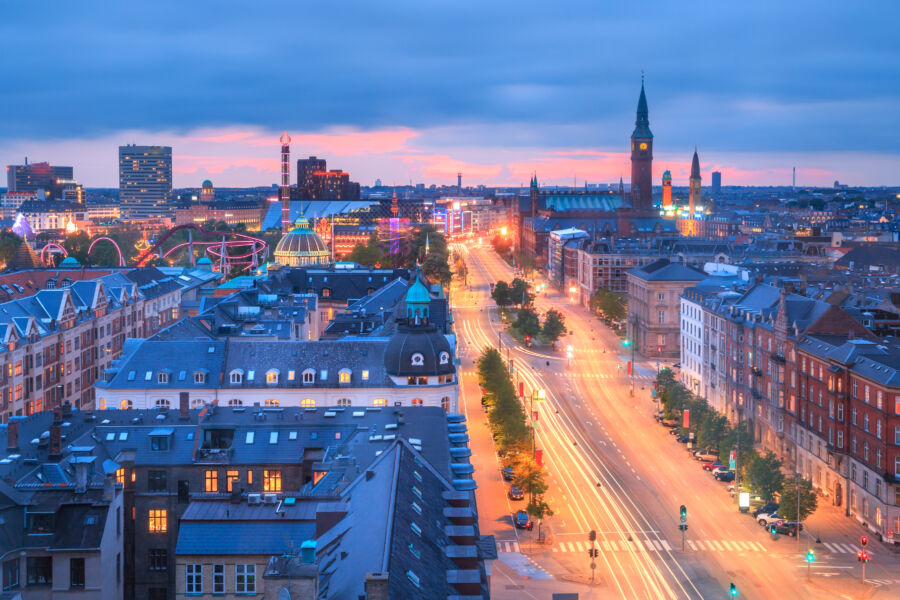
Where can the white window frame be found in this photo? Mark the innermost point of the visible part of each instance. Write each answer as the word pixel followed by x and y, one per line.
pixel 218 579
pixel 193 579
pixel 245 579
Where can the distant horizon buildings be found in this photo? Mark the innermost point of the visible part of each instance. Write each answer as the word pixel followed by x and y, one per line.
pixel 716 182
pixel 145 181
pixel 57 182
pixel 316 182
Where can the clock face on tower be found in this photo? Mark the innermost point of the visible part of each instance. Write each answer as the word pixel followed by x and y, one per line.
pixel 643 145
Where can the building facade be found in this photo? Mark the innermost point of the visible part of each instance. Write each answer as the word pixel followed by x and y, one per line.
pixel 145 182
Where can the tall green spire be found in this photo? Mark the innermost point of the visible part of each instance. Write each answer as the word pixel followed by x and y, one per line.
pixel 642 123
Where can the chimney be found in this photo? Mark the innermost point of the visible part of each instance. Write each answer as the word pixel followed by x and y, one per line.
pixel 57 416
pixel 12 435
pixel 184 406
pixel 376 587
pixel 55 441
pixel 308 552
pixel 81 476
pixel 109 488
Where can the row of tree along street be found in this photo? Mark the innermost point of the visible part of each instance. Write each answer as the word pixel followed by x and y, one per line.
pixel 511 432
pixel 528 325
pixel 503 247
pixel 762 474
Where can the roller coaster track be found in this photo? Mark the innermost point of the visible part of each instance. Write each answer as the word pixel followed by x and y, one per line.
pixel 243 239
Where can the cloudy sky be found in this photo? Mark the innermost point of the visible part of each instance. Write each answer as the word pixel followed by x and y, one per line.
pixel 416 91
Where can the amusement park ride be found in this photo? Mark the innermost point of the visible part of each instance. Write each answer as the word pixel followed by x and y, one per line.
pixel 249 251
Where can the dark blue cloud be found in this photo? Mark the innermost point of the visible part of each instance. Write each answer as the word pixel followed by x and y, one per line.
pixel 762 76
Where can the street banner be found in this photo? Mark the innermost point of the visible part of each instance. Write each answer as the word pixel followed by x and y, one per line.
pixel 687 418
pixel 521 389
pixel 539 457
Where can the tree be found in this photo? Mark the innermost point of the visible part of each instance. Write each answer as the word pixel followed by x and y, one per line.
pixel 77 244
pixel 527 322
pixel 501 244
pixel 437 269
pixel 539 509
pixel 526 262
pixel 9 243
pixel 518 292
pixel 501 294
pixel 554 325
pixel 368 255
pixel 764 476
pixel 809 502
pixel 613 305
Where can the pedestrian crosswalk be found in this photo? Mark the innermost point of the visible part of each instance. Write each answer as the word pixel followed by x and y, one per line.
pixel 625 377
pixel 660 545
pixel 507 546
pixel 838 548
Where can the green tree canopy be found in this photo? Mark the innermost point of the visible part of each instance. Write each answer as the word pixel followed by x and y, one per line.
pixel 518 290
pixel 554 325
pixel 527 322
pixel 501 294
pixel 809 502
pixel 368 254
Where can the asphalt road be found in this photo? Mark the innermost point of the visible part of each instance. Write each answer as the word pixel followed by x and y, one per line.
pixel 614 470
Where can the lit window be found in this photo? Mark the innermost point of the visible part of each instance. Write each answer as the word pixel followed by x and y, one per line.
pixel 380 402
pixel 212 482
pixel 271 402
pixel 272 376
pixel 365 375
pixel 230 478
pixel 344 376
pixel 126 404
pixel 307 403
pixel 290 375
pixel 159 522
pixel 120 477
pixel 271 481
pixel 417 402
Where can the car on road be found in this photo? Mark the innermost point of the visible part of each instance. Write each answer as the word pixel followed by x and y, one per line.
pixel 704 456
pixel 724 476
pixel 719 469
pixel 767 509
pixel 522 521
pixel 516 493
pixel 712 465
pixel 766 519
pixel 508 474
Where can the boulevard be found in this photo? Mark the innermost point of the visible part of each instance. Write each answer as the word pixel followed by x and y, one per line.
pixel 614 470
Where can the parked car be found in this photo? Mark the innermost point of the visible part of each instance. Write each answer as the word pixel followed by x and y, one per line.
pixel 682 439
pixel 724 476
pixel 522 521
pixel 712 465
pixel 516 493
pixel 704 456
pixel 766 519
pixel 790 528
pixel 767 509
pixel 508 474
pixel 719 469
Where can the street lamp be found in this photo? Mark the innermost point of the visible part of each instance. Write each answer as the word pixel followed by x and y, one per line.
pixel 541 394
pixel 569 354
pixel 627 343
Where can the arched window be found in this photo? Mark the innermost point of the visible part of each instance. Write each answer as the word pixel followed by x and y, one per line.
pixel 307 403
pixel 235 402
pixel 196 402
pixel 445 403
pixel 344 402
pixel 380 402
pixel 417 402
pixel 445 358
pixel 272 376
pixel 309 376
pixel 162 403
pixel 126 404
pixel 237 376
pixel 271 402
pixel 344 375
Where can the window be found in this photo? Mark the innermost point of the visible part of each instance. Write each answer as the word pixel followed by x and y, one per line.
pixel 245 579
pixel 230 478
pixel 120 477
pixel 661 316
pixel 199 377
pixel 344 376
pixel 413 577
pixel 897 438
pixel 184 491
pixel 309 376
pixel 237 376
pixel 159 443
pixel 11 574
pixel 158 559
pixel 235 402
pixel 445 403
pixel 156 481
pixel 291 375
pixel 159 521
pixel 344 402
pixel 271 402
pixel 307 403
pixel 853 415
pixel 218 579
pixel 162 403
pixel 271 481
pixel 417 402
pixel 879 400
pixel 212 482
pixel 417 381
pixel 878 428
pixel 273 437
pixel 39 570
pixel 840 439
pixel 272 376
pixel 365 375
pixel 126 404
pixel 162 377
pixel 193 579
pixel 379 402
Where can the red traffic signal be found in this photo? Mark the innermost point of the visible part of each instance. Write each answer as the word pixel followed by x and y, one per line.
pixel 527 338
pixel 864 540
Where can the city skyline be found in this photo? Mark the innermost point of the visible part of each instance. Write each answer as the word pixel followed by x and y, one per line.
pixel 548 93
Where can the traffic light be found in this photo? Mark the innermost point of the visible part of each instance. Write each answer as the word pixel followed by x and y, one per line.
pixel 809 556
pixel 683 512
pixel 733 591
pixel 527 338
pixel 859 556
pixel 592 536
pixel 626 343
pixel 865 556
pixel 863 541
pixel 773 529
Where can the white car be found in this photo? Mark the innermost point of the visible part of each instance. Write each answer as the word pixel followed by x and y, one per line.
pixel 719 470
pixel 768 519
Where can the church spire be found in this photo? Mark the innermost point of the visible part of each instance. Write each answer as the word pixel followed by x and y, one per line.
pixel 695 165
pixel 642 122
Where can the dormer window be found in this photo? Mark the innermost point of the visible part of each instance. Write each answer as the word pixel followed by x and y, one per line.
pixel 417 360
pixel 309 376
pixel 326 293
pixel 445 358
pixel 237 376
pixel 199 377
pixel 272 376
pixel 162 377
pixel 344 376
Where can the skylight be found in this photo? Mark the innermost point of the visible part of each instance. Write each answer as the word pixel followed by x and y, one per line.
pixel 273 437
pixel 250 436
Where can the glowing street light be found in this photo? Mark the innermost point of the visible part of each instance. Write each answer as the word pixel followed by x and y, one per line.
pixel 569 354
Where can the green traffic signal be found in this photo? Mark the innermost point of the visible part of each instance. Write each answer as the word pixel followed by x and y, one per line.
pixel 733 591
pixel 683 511
pixel 626 342
pixel 809 556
